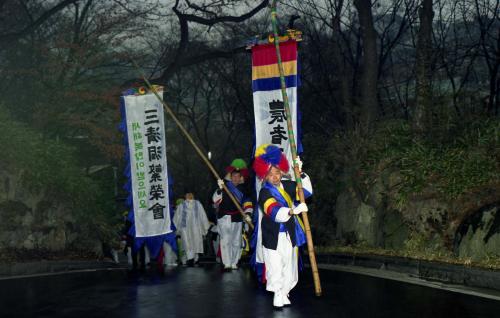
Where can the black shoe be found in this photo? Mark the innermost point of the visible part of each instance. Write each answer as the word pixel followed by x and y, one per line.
pixel 190 263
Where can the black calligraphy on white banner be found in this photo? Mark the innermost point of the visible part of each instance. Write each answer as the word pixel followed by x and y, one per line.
pixel 270 118
pixel 145 125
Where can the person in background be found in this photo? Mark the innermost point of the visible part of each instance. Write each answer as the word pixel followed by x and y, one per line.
pixel 192 225
pixel 137 264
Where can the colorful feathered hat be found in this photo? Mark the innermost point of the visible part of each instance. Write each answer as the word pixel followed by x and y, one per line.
pixel 238 165
pixel 266 156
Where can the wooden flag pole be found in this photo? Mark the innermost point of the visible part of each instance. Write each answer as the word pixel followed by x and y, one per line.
pixel 310 246
pixel 191 141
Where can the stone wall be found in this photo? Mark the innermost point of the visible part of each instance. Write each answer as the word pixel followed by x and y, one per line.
pixel 479 237
pixel 34 220
pixel 375 218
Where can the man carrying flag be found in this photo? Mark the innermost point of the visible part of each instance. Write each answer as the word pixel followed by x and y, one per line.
pixel 279 226
pixel 229 221
pixel 277 121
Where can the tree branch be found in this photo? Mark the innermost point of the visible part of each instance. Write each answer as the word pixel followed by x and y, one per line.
pixel 179 60
pixel 33 26
pixel 211 22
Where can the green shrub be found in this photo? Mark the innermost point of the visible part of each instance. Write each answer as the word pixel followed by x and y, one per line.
pixel 467 156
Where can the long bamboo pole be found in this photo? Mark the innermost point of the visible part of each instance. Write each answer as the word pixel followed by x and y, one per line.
pixel 190 139
pixel 310 246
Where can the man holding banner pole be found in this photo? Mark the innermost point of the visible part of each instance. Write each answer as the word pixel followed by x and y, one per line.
pixel 274 83
pixel 154 90
pixel 229 223
pixel 281 231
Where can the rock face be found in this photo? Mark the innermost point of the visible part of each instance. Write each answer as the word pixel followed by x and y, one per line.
pixel 395 230
pixel 357 222
pixel 345 212
pixel 479 237
pixel 377 219
pixel 32 220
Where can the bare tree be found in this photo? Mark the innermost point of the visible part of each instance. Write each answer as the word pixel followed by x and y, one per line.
pixel 423 100
pixel 208 16
pixel 330 71
pixel 455 50
pixel 487 16
pixel 367 90
pixel 32 22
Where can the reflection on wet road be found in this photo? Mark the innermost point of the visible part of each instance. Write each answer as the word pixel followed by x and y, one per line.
pixel 207 292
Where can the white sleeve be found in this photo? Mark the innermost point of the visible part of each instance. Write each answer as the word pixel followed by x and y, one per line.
pixel 203 218
pixel 217 197
pixel 177 215
pixel 282 215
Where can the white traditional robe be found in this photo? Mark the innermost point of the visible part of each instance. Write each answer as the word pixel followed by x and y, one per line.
pixel 191 222
pixel 281 265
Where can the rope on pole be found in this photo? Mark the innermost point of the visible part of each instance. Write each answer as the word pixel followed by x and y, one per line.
pixel 310 246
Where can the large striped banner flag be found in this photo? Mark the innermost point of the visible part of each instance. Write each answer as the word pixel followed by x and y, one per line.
pixel 144 128
pixel 270 116
pixel 269 110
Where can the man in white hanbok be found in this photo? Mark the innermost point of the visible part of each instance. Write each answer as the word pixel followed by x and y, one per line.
pixel 279 228
pixel 192 224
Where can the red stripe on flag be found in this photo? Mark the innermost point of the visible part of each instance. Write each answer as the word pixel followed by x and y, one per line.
pixel 266 54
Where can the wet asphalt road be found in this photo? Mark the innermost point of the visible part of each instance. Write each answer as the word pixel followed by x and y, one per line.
pixel 207 292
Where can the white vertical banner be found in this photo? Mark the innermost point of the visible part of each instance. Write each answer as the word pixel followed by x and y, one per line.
pixel 270 117
pixel 148 164
pixel 270 120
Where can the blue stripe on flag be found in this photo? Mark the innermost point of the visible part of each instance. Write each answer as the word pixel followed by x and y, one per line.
pixel 273 83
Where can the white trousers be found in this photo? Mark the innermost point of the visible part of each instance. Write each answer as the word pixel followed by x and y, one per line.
pixel 281 266
pixel 230 240
pixel 215 243
pixel 189 249
pixel 170 258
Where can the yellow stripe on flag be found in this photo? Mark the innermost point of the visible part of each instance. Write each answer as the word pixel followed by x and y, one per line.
pixel 269 71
